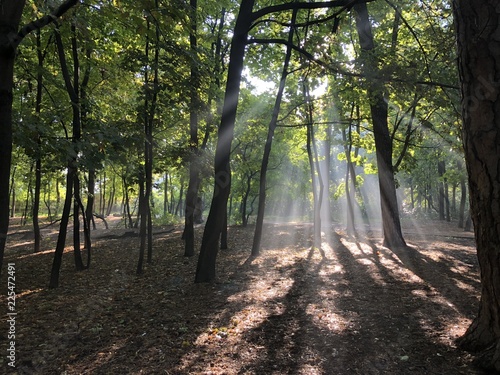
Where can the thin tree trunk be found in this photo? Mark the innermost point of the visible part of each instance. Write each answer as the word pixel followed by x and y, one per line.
pixel 463 196
pixel 111 199
pixel 12 194
pixel 165 195
pixel 441 170
pixel 142 224
pixel 72 175
pixel 29 194
pixel 267 148
pixel 63 228
pixel 76 226
pixel 194 168
pixel 316 178
pixel 38 159
pixel 128 214
pixel 89 210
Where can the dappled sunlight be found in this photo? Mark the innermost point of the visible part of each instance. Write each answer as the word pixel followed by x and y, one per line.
pixel 325 318
pixel 294 309
pixel 45 252
pixel 26 293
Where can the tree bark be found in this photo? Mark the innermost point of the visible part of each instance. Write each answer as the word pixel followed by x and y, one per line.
pixel 393 236
pixel 479 67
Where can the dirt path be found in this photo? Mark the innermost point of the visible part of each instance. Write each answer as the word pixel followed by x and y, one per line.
pixel 352 307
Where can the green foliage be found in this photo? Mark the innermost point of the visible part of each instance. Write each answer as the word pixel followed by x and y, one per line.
pixel 415 54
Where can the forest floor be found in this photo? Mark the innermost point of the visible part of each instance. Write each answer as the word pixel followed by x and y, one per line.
pixel 351 307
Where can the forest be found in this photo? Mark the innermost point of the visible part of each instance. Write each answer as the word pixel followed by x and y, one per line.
pixel 250 187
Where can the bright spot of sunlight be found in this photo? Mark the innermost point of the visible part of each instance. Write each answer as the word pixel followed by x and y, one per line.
pixel 257 85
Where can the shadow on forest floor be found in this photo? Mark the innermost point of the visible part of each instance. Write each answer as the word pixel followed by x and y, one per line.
pixel 352 307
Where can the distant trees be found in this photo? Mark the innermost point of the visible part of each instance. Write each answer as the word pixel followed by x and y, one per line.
pixel 150 100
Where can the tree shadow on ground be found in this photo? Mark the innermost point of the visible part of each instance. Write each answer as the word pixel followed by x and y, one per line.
pixel 383 322
pixel 351 308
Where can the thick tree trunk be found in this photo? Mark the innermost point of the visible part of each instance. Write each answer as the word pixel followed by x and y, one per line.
pixel 479 65
pixel 10 15
pixel 393 236
pixel 205 270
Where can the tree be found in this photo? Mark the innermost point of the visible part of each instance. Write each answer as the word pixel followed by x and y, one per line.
pixel 10 37
pixel 393 236
pixel 205 270
pixel 269 140
pixel 477 26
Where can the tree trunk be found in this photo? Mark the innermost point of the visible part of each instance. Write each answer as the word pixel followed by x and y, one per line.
pixel 76 226
pixel 316 178
pixel 351 227
pixel 479 66
pixel 267 148
pixel 63 228
pixel 244 200
pixel 36 204
pixel 111 198
pixel 150 101
pixel 441 170
pixel 165 195
pixel 10 16
pixel 38 157
pixel 128 214
pixel 142 223
pixel 89 210
pixel 12 193
pixel 393 236
pixel 463 197
pixel 73 89
pixel 205 270
pixel 194 167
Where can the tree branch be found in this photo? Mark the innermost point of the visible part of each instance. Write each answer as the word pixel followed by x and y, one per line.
pixel 335 69
pixel 345 4
pixel 44 21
